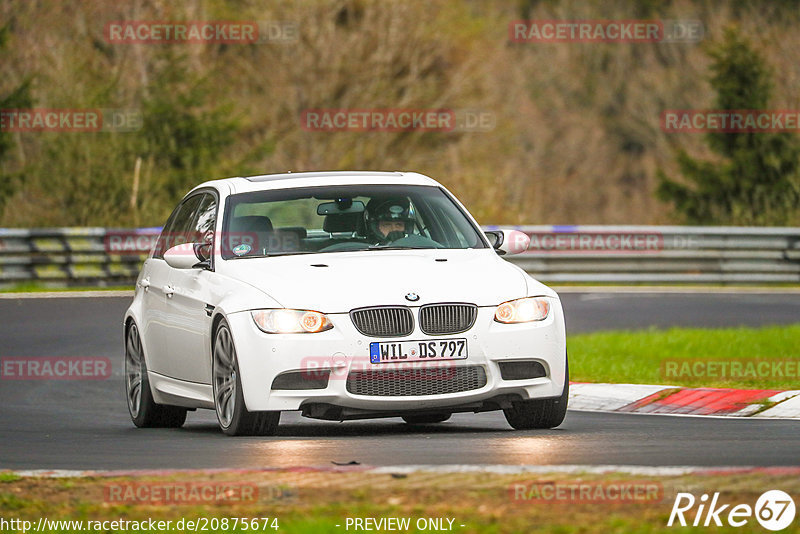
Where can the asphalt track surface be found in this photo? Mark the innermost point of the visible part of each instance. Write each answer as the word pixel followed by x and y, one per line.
pixel 85 425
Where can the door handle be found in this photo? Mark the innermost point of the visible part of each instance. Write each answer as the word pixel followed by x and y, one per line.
pixel 144 283
pixel 169 290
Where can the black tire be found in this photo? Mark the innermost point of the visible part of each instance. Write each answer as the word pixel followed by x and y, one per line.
pixel 232 414
pixel 426 419
pixel 144 411
pixel 540 413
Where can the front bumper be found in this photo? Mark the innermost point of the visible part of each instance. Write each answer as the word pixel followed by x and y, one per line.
pixel 343 350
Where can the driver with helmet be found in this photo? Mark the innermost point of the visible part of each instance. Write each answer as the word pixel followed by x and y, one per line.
pixel 388 220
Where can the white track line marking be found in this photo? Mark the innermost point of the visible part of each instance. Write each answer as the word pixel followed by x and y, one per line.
pixel 642 470
pixel 731 417
pixel 66 294
pixel 669 289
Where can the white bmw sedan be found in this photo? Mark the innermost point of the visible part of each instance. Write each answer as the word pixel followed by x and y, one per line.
pixel 345 295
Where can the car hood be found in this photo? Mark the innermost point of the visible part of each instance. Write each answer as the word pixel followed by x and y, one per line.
pixel 339 282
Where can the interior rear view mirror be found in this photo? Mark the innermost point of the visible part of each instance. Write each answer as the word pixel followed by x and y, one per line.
pixel 343 205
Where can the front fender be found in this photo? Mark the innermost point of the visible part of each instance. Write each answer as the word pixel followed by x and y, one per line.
pixel 243 297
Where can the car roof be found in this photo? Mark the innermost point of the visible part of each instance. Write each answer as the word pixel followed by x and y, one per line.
pixel 290 180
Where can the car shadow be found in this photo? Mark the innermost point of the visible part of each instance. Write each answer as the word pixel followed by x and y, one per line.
pixel 357 429
pixel 346 429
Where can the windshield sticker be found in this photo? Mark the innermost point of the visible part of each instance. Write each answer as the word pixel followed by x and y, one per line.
pixel 241 250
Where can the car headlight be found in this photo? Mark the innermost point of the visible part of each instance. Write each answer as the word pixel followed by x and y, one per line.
pixel 285 321
pixel 522 310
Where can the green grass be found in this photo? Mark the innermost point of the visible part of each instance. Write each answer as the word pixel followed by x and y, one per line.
pixel 12 502
pixel 641 357
pixel 481 502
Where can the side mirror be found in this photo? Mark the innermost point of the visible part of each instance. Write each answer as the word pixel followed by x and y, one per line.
pixel 508 241
pixel 203 252
pixel 186 256
pixel 495 238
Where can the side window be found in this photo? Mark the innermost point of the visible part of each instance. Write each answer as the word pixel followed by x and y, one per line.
pixel 182 232
pixel 177 228
pixel 163 239
pixel 204 221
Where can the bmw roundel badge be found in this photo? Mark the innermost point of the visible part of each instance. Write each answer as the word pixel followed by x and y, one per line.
pixel 413 297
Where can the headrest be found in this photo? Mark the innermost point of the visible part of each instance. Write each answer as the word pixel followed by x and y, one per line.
pixel 299 231
pixel 251 223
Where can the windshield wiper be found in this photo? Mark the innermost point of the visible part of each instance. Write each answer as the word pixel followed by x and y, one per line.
pixel 391 247
pixel 289 253
pixel 273 254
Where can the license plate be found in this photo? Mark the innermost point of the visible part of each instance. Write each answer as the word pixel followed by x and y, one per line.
pixel 418 351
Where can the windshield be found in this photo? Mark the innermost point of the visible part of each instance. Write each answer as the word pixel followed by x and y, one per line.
pixel 344 218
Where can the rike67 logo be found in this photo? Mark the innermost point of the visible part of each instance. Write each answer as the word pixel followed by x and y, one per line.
pixel 774 510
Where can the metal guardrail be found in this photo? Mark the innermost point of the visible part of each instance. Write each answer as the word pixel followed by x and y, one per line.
pixel 73 256
pixel 662 254
pixel 614 254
